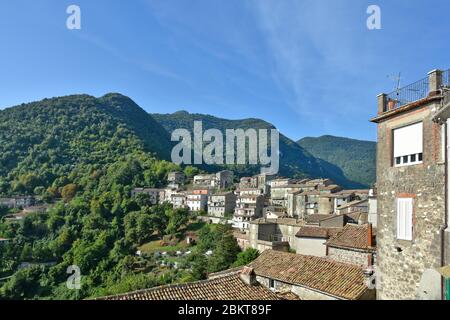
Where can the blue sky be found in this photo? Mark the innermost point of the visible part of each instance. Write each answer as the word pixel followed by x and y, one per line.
pixel 309 67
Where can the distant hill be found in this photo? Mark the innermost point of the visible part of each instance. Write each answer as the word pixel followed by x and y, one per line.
pixel 356 158
pixel 295 161
pixel 45 140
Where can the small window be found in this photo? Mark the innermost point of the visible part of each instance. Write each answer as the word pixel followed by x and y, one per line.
pixel 404 218
pixel 408 144
pixel 271 284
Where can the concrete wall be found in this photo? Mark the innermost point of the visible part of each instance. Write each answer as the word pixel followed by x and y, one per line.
pixel 311 246
pixel 326 205
pixel 400 264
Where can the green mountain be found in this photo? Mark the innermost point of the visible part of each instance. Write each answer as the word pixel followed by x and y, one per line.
pixel 356 158
pixel 295 161
pixel 49 139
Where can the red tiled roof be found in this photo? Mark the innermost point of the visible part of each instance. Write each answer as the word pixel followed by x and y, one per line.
pixel 227 287
pixel 317 232
pixel 316 218
pixel 353 237
pixel 337 279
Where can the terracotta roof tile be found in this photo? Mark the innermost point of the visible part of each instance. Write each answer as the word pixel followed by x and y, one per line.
pixel 317 232
pixel 334 278
pixel 354 237
pixel 316 218
pixel 227 287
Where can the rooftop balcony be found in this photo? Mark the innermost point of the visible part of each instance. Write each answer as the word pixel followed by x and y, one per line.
pixel 422 89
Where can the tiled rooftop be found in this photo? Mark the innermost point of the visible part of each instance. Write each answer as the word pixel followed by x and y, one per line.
pixel 227 287
pixel 316 218
pixel 354 237
pixel 317 232
pixel 321 274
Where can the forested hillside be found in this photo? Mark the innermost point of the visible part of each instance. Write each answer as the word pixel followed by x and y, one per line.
pixel 356 158
pixel 82 156
pixel 295 161
pixel 45 142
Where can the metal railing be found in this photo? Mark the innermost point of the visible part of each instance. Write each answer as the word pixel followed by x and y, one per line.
pixel 446 78
pixel 412 92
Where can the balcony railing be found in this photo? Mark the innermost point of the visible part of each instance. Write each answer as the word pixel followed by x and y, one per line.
pixel 413 92
pixel 416 91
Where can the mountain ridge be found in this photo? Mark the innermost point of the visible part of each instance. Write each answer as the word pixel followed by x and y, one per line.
pixel 356 158
pixel 295 160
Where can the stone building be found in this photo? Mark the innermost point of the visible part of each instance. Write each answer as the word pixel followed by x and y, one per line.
pixel 310 278
pixel 354 244
pixel 277 234
pixel 178 200
pixel 411 190
pixel 176 178
pixel 248 182
pixel 311 240
pixel 248 208
pixel 354 206
pixel 197 200
pixel 221 204
pixel 154 194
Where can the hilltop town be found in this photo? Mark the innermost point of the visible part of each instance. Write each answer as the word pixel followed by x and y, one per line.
pixel 300 239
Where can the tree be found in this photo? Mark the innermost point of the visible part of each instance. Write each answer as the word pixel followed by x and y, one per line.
pixel 225 253
pixel 199 266
pixel 24 284
pixel 246 257
pixel 69 191
pixel 177 219
pixel 138 227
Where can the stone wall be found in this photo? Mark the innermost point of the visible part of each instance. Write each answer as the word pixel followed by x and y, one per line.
pixel 359 258
pixel 308 294
pixel 400 264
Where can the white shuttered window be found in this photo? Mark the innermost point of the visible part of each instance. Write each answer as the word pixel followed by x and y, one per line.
pixel 404 218
pixel 408 145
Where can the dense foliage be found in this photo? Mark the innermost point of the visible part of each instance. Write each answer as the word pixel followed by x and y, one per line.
pixel 83 156
pixel 54 141
pixel 356 158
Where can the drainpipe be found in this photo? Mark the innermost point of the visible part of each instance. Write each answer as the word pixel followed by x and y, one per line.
pixel 446 206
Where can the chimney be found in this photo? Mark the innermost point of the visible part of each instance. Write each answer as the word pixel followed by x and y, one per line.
pixel 434 81
pixel 369 235
pixel 382 103
pixel 369 277
pixel 248 275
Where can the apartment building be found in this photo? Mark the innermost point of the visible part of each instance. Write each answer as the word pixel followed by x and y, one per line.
pixel 221 204
pixel 197 200
pixel 248 208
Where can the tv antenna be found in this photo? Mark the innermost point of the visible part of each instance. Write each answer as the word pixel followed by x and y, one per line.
pixel 397 80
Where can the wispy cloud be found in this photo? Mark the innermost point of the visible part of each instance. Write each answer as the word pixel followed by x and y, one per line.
pixel 146 66
pixel 313 47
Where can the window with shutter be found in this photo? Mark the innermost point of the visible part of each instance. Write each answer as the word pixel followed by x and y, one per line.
pixel 404 218
pixel 408 145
